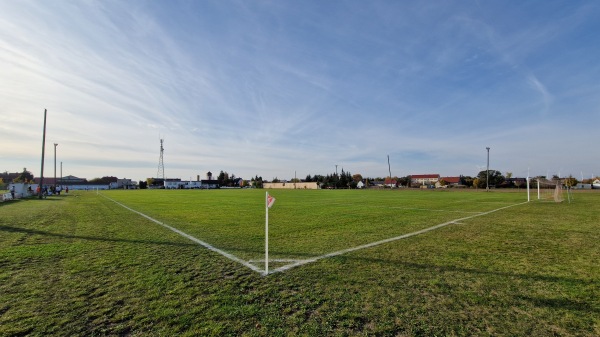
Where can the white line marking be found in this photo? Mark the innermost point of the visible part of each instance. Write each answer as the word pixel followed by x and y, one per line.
pixel 185 235
pixel 275 260
pixel 311 260
pixel 377 243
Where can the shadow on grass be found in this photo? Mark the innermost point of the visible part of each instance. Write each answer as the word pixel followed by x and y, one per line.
pixel 455 269
pixel 15 201
pixel 91 238
pixel 559 303
pixel 418 266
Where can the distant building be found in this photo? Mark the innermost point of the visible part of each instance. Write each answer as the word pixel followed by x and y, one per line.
pixel 293 186
pixel 9 177
pixel 172 184
pixel 518 182
pixel 449 182
pixel 389 182
pixel 424 179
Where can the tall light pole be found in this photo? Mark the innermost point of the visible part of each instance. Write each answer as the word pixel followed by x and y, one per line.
pixel 55 145
pixel 390 170
pixel 43 154
pixel 487 171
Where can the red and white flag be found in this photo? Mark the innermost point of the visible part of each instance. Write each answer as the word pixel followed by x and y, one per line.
pixel 270 200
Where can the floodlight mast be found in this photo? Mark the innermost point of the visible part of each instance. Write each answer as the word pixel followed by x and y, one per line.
pixel 55 145
pixel 390 170
pixel 487 171
pixel 43 153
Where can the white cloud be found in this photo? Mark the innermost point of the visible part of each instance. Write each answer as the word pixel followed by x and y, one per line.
pixel 269 89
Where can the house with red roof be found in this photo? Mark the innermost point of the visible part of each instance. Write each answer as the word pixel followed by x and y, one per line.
pixel 424 179
pixel 450 181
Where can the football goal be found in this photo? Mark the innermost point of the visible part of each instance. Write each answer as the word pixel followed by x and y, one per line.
pixel 547 190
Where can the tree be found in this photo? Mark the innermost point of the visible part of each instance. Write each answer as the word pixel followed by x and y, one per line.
pixel 508 175
pixel 495 178
pixel 223 178
pixel 257 182
pixel 357 177
pixel 404 181
pixel 24 177
pixel 467 181
pixel 570 181
pixel 143 185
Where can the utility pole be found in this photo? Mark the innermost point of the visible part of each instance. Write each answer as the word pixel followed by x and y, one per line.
pixel 487 172
pixel 55 145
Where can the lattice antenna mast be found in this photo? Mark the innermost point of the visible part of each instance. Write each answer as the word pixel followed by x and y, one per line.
pixel 161 164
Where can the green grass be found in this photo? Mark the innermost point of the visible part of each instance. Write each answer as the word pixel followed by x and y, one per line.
pixel 306 223
pixel 82 265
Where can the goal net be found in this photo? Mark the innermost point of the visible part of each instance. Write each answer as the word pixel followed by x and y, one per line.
pixel 548 190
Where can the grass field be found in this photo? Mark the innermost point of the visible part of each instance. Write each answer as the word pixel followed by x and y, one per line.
pixel 84 265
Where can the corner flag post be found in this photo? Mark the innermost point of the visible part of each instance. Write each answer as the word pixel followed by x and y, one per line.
pixel 528 196
pixel 269 201
pixel 267 234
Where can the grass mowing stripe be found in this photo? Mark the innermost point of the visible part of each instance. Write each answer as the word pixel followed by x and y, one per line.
pixel 185 235
pixel 377 243
pixel 432 210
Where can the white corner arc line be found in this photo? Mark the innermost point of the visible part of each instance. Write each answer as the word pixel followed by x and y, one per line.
pixel 377 243
pixel 185 235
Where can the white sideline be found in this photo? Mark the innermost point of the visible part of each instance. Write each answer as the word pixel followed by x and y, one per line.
pixel 310 260
pixel 185 235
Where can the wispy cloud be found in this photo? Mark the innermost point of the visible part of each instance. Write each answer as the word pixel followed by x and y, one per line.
pixel 269 88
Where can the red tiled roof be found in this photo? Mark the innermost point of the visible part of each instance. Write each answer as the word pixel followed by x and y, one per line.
pixel 451 180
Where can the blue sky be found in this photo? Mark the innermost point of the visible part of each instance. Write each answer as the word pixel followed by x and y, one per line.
pixel 271 88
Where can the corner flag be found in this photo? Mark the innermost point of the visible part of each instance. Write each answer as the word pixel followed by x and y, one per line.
pixel 270 200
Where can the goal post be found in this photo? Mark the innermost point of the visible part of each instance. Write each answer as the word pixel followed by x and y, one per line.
pixel 547 190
